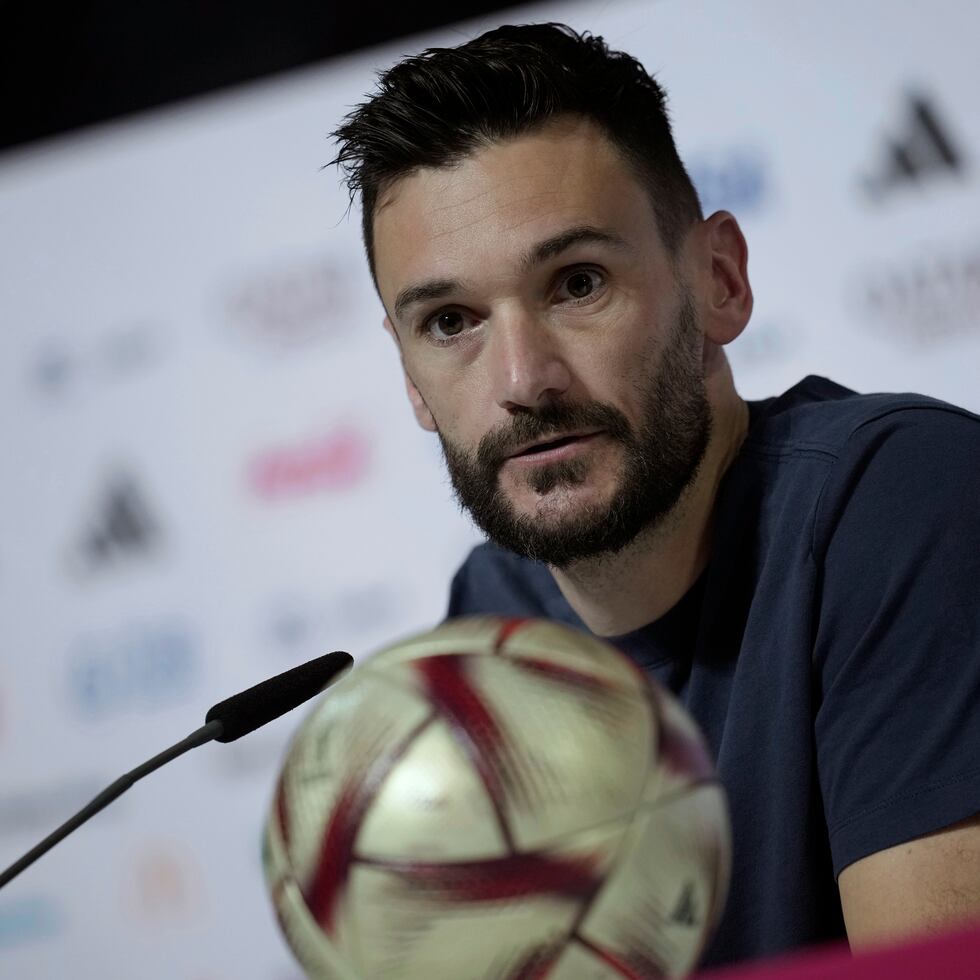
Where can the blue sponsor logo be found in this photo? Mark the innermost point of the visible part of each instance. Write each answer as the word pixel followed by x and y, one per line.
pixel 28 920
pixel 141 666
pixel 60 367
pixel 736 179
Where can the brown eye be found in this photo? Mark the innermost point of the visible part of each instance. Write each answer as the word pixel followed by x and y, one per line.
pixel 580 284
pixel 446 324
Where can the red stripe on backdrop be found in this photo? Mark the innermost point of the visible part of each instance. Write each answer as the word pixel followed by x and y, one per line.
pixel 951 956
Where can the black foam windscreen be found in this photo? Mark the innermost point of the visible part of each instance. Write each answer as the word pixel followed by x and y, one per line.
pixel 243 713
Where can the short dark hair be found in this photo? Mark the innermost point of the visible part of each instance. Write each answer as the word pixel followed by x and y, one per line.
pixel 433 109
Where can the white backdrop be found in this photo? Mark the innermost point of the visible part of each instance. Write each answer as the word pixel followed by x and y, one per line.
pixel 211 470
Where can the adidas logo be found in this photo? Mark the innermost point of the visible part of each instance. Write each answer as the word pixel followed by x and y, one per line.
pixel 924 150
pixel 686 911
pixel 121 528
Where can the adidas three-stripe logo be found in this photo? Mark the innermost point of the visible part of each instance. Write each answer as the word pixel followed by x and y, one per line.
pixel 923 151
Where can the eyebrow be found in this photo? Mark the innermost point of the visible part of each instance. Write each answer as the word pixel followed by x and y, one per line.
pixel 563 241
pixel 419 293
pixel 541 252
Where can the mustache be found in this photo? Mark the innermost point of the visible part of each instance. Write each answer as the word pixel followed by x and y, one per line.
pixel 552 421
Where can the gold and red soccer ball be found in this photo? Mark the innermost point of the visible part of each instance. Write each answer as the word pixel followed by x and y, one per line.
pixel 498 798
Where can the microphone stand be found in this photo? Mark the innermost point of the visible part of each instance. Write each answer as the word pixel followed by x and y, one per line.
pixel 205 733
pixel 226 721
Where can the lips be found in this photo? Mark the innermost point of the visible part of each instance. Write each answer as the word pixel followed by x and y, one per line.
pixel 552 442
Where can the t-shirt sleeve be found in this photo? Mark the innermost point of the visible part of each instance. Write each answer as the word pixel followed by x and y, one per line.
pixel 897 636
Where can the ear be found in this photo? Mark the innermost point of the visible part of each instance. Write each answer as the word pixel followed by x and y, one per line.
pixel 422 414
pixel 728 292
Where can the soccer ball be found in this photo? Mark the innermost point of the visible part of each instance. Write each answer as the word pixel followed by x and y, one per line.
pixel 497 799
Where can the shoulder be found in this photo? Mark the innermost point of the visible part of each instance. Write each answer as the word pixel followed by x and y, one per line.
pixel 820 416
pixel 877 457
pixel 899 462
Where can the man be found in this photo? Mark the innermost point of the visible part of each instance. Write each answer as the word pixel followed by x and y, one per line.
pixel 801 571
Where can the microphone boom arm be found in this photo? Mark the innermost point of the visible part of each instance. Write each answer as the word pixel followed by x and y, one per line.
pixel 225 722
pixel 205 733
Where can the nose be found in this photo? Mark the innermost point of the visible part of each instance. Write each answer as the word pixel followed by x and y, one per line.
pixel 528 364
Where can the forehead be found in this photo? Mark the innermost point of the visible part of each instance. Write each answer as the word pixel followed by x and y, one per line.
pixel 501 198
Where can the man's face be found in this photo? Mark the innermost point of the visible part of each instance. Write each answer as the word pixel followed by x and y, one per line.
pixel 548 338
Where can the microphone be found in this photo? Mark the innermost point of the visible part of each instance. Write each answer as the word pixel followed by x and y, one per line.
pixel 244 712
pixel 226 721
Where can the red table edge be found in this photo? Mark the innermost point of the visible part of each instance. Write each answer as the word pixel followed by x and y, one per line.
pixel 950 956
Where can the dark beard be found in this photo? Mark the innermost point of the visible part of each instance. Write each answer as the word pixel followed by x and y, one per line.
pixel 659 461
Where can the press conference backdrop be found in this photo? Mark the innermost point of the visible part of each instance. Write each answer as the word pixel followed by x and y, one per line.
pixel 210 469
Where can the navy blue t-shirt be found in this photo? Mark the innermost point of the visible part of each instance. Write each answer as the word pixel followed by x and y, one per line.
pixel 830 651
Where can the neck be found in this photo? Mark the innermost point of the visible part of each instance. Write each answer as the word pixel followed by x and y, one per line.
pixel 614 594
